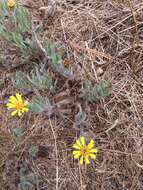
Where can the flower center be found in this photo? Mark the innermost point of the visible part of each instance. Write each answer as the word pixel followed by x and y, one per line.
pixel 19 106
pixel 84 151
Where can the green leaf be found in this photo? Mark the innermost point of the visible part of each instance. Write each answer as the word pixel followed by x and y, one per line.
pixel 101 90
pixel 40 80
pixel 21 19
pixel 20 81
pixel 3 11
pixel 80 117
pixel 17 133
pixel 37 79
pixel 28 179
pixel 40 105
pixel 33 151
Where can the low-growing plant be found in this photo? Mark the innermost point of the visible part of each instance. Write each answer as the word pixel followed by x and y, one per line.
pixel 56 59
pixel 80 117
pixel 29 46
pixel 40 80
pixel 97 92
pixel 33 151
pixel 20 22
pixel 17 134
pixel 36 79
pixel 41 105
pixel 28 179
pixel 19 81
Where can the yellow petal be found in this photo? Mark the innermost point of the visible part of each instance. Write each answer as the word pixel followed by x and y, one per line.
pixel 19 113
pixel 26 103
pixel 93 156
pixel 76 146
pixel 91 144
pixel 24 110
pixel 19 97
pixel 94 150
pixel 10 105
pixel 76 154
pixel 82 140
pixel 78 143
pixel 14 113
pixel 81 160
pixel 87 160
pixel 12 99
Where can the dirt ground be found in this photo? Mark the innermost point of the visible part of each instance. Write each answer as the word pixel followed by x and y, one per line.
pixel 105 39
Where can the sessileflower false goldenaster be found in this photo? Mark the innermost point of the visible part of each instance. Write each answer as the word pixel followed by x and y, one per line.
pixel 84 152
pixel 17 104
pixel 11 3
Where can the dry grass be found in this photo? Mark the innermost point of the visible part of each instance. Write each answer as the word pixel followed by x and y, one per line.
pixel 94 34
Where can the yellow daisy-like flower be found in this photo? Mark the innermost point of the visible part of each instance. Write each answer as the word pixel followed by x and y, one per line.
pixel 18 104
pixel 84 152
pixel 11 3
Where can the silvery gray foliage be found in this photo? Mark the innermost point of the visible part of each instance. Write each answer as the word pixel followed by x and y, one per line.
pixel 98 91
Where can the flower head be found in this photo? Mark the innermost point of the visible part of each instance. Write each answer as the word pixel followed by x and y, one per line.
pixel 84 152
pixel 11 3
pixel 67 62
pixel 18 104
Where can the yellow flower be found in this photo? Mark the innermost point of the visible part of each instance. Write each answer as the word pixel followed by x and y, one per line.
pixel 11 3
pixel 18 104
pixel 84 152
